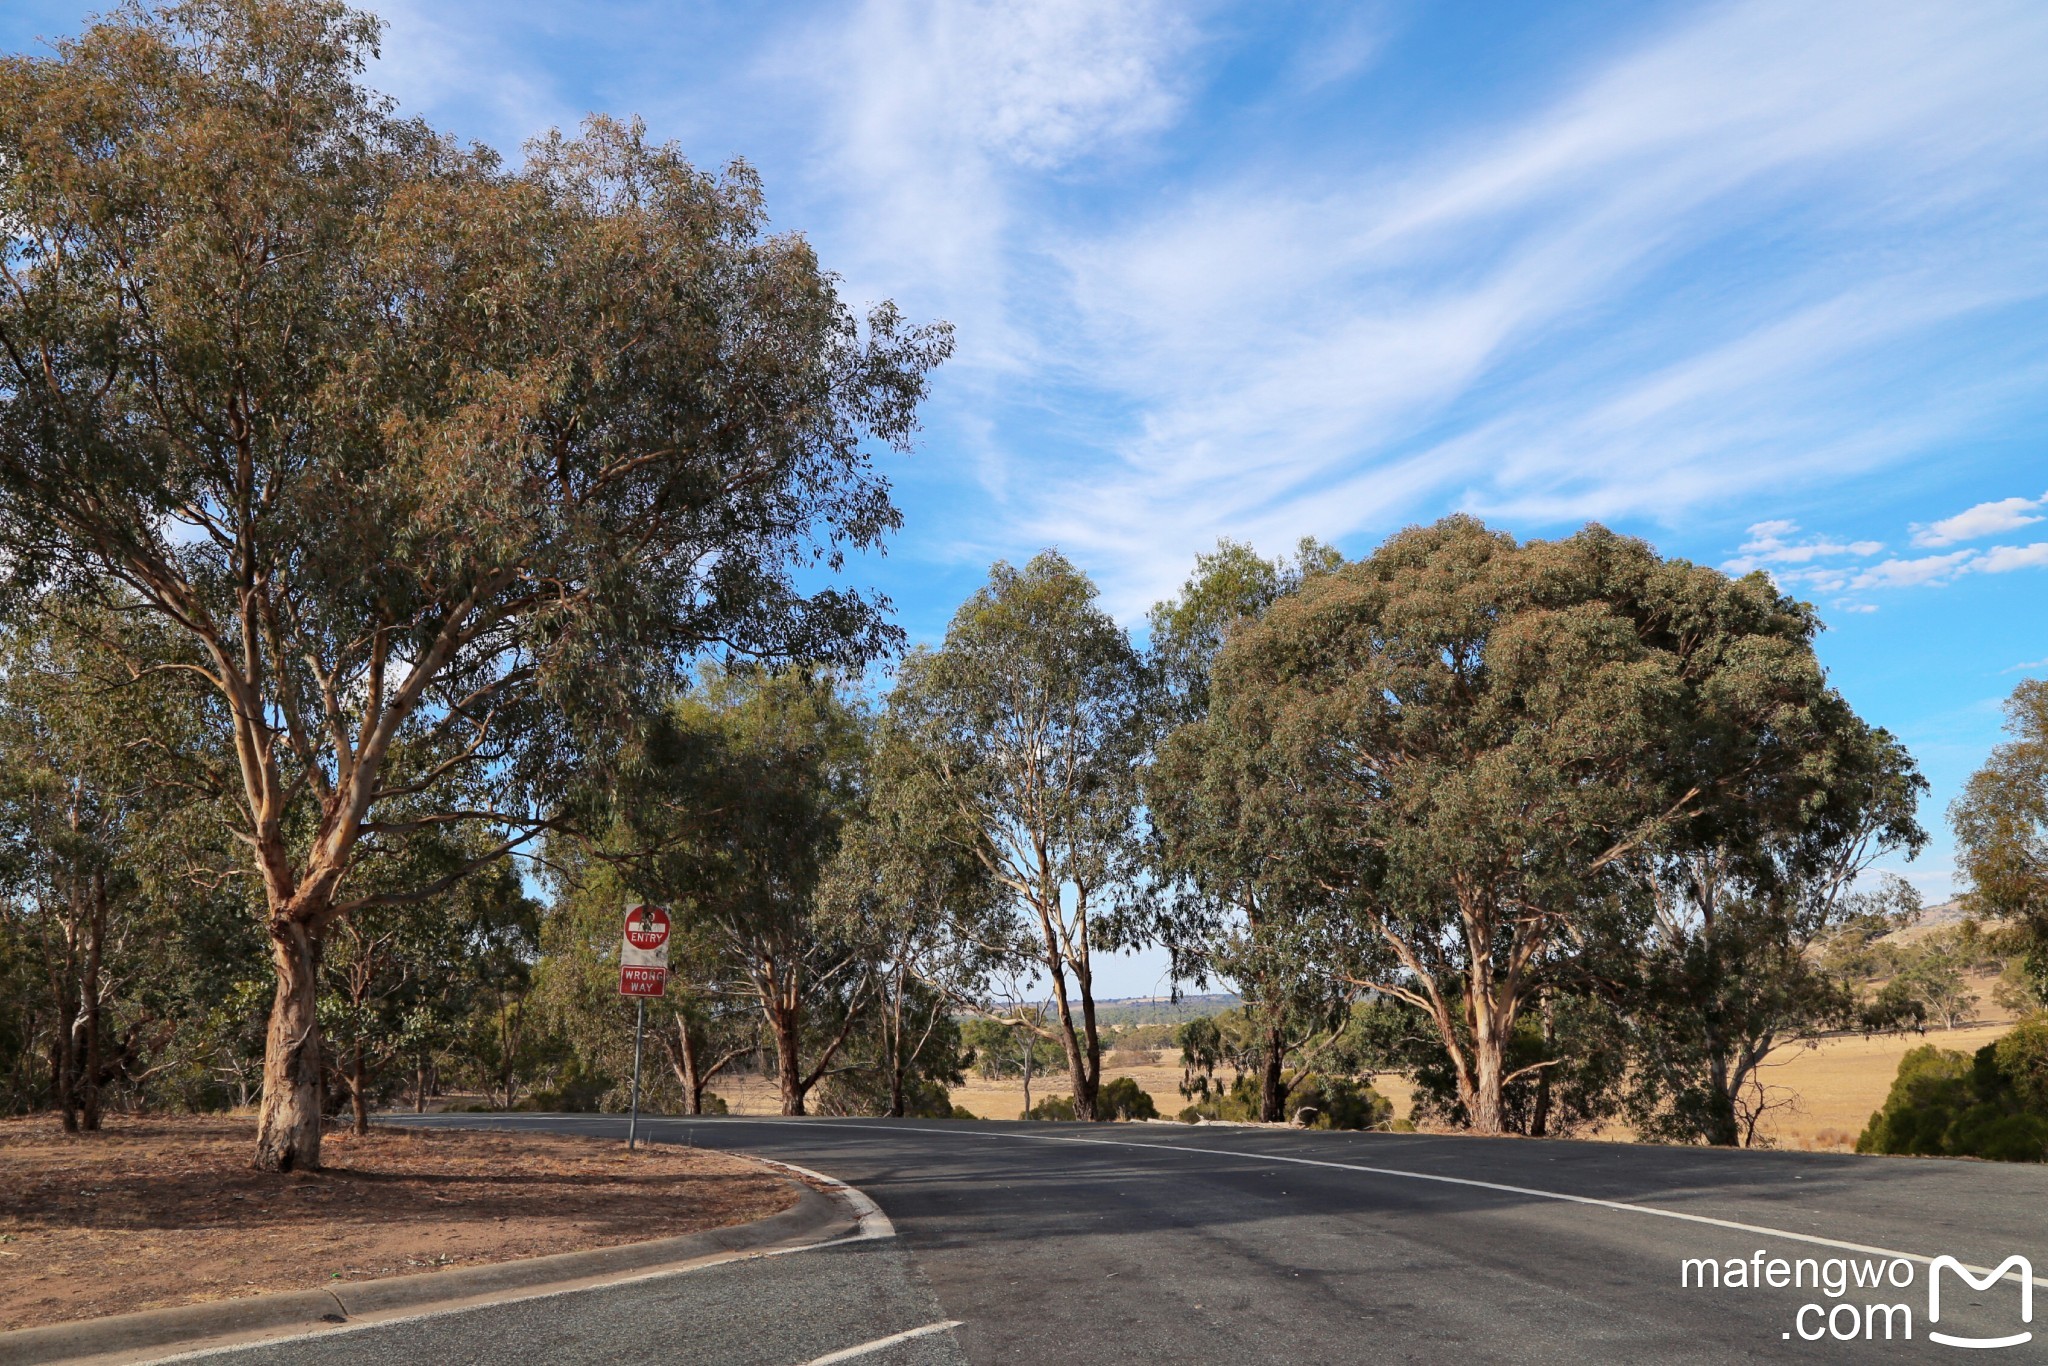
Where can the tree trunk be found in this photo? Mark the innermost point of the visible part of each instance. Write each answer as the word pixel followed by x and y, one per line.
pixel 688 1070
pixel 1030 1055
pixel 1539 1119
pixel 359 1103
pixel 788 1060
pixel 1722 1130
pixel 894 1030
pixel 1483 1100
pixel 89 1003
pixel 1273 1095
pixel 1093 1053
pixel 288 1125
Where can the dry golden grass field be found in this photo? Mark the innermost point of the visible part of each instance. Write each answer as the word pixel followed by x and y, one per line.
pixel 1833 1087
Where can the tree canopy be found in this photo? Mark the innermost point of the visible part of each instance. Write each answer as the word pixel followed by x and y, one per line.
pixel 438 467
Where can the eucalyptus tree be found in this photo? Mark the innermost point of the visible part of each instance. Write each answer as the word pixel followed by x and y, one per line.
pixel 1031 718
pixel 1728 974
pixel 705 1025
pixel 906 881
pixel 1469 737
pixel 74 813
pixel 440 465
pixel 2001 827
pixel 1235 899
pixel 731 813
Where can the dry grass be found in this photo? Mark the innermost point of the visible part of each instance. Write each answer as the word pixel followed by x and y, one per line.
pixel 158 1212
pixel 1834 1087
pixel 1838 1084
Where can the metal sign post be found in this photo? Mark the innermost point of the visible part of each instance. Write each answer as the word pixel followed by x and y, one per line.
pixel 643 972
pixel 639 1033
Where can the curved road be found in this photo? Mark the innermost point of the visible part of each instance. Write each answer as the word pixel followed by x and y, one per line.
pixel 1050 1242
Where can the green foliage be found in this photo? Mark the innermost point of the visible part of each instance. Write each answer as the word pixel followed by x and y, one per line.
pixel 1052 1108
pixel 1000 1048
pixel 1121 1099
pixel 1029 721
pixel 1946 1103
pixel 440 471
pixel 1469 741
pixel 1342 1103
pixel 2001 820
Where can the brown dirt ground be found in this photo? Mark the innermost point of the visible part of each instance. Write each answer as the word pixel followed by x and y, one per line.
pixel 155 1212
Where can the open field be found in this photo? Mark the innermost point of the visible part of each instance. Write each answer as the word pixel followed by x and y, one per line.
pixel 1836 1084
pixel 158 1212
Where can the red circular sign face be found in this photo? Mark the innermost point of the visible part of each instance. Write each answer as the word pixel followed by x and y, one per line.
pixel 647 927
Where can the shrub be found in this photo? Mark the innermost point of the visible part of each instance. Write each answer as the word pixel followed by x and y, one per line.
pixel 1932 1087
pixel 1052 1107
pixel 962 1112
pixel 2022 1056
pixel 1944 1103
pixel 1341 1103
pixel 1121 1099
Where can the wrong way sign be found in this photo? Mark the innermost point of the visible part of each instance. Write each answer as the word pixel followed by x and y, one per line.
pixel 643 954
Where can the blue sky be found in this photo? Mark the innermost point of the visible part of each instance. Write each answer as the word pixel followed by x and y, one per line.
pixel 1766 283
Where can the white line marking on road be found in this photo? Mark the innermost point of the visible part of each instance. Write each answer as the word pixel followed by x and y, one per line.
pixel 1621 1205
pixel 873 1223
pixel 849 1353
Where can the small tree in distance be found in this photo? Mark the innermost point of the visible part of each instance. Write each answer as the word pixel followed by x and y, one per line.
pixel 2001 825
pixel 1030 716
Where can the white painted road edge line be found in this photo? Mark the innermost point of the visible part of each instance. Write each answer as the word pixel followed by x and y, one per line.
pixel 849 1353
pixel 873 1223
pixel 1562 1196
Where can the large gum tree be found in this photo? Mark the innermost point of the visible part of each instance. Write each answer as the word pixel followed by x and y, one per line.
pixel 438 466
pixel 1465 741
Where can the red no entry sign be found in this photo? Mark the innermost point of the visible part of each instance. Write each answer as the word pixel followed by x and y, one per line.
pixel 647 928
pixel 643 955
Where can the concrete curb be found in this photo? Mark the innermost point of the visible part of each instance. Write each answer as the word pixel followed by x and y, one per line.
pixel 815 1218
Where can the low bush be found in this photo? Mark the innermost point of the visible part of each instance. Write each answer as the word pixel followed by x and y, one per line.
pixel 1341 1103
pixel 1121 1099
pixel 1052 1107
pixel 1949 1104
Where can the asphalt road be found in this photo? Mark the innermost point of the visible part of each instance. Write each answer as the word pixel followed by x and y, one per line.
pixel 1057 1243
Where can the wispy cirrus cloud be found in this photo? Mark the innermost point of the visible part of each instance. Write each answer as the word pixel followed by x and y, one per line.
pixel 1514 321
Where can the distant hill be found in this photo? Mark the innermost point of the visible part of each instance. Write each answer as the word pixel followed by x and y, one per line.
pixel 1944 916
pixel 1123 1011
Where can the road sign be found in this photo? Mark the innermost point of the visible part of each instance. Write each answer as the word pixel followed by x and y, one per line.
pixel 643 972
pixel 643 954
pixel 642 981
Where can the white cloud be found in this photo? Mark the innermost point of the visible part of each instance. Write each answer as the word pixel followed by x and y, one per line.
pixel 1768 544
pixel 942 113
pixel 2030 664
pixel 1913 573
pixel 1307 353
pixel 2003 559
pixel 1985 519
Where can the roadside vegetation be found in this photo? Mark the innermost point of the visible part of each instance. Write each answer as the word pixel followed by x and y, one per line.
pixel 414 559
